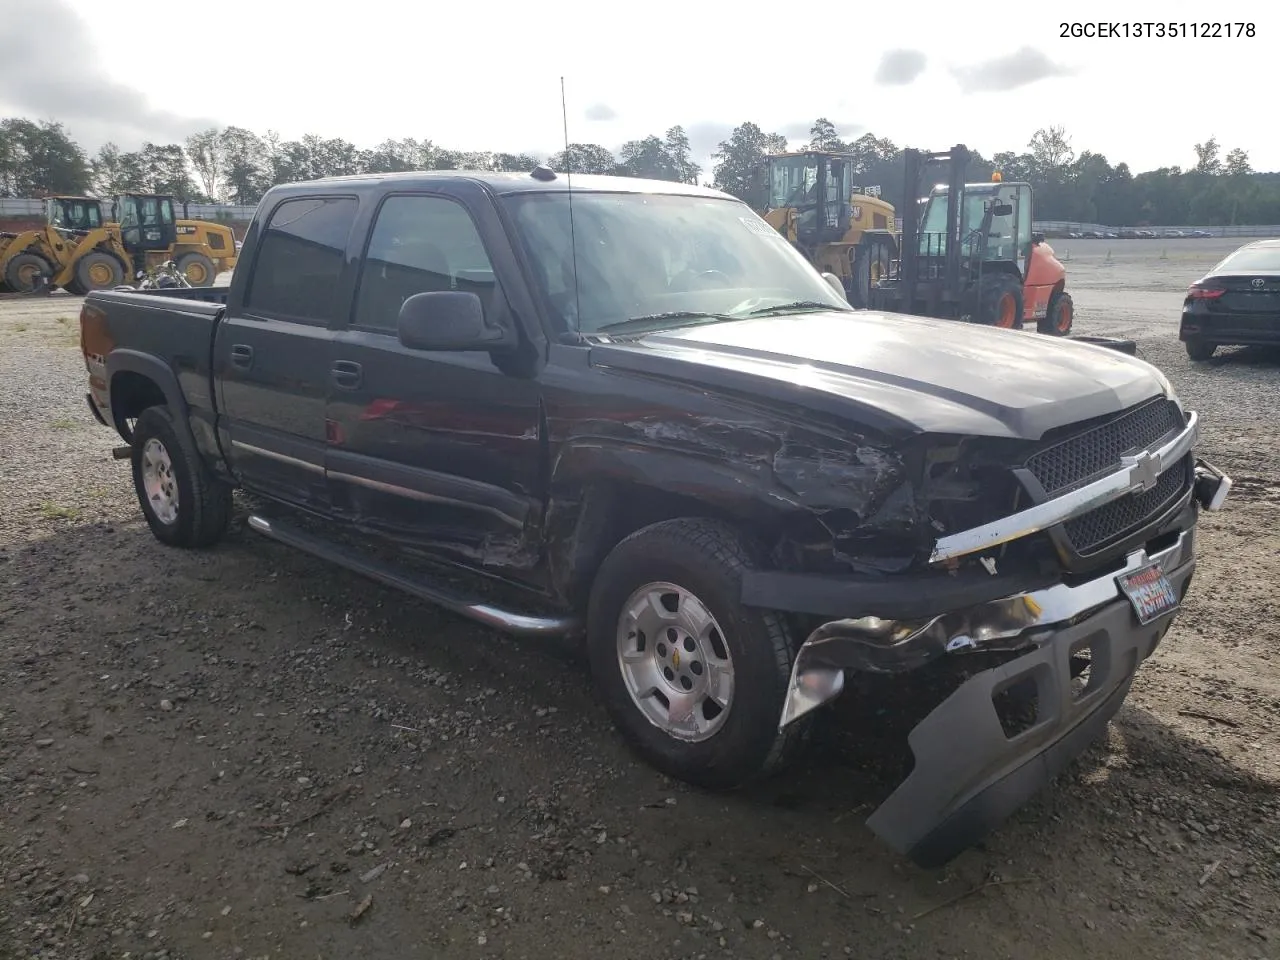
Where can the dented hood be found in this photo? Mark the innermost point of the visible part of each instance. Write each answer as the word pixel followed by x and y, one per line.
pixel 900 372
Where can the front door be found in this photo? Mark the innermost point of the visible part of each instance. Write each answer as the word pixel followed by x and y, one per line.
pixel 437 450
pixel 271 352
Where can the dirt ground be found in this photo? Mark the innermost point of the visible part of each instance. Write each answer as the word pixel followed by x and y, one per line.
pixel 227 754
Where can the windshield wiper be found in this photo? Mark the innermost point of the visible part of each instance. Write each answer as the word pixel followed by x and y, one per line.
pixel 663 320
pixel 795 306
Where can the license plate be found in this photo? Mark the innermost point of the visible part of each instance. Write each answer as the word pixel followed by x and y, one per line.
pixel 1149 591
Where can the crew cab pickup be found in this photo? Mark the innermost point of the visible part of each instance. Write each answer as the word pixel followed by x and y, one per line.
pixel 630 411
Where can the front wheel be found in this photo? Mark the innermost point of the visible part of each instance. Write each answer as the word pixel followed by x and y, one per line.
pixel 1000 301
pixel 98 271
pixel 1059 315
pixel 184 504
pixel 22 272
pixel 694 680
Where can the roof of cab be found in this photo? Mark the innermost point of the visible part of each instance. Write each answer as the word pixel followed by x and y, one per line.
pixel 505 183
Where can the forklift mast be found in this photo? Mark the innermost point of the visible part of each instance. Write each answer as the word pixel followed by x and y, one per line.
pixel 918 164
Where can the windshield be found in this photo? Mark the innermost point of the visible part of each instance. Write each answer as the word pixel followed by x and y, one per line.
pixel 655 256
pixel 933 229
pixel 1255 260
pixel 792 181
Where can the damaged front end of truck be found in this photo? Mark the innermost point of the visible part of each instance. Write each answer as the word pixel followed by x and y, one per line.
pixel 1069 557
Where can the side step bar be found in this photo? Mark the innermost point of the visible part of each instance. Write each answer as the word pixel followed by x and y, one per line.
pixel 487 614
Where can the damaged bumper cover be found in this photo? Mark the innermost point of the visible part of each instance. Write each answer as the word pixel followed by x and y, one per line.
pixel 969 774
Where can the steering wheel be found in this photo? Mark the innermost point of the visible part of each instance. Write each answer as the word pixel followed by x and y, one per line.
pixel 698 277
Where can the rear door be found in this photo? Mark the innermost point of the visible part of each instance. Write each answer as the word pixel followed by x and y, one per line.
pixel 271 353
pixel 438 450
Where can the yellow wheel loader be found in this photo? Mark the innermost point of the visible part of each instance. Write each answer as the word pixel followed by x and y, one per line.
pixel 808 197
pixel 79 250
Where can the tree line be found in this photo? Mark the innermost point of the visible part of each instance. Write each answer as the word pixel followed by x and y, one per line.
pixel 235 165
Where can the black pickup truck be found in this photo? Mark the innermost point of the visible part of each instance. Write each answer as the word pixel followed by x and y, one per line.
pixel 630 411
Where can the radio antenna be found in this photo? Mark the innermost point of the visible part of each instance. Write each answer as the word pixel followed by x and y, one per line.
pixel 573 239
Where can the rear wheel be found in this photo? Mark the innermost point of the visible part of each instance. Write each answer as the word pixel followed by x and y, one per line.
pixel 98 271
pixel 694 680
pixel 1000 301
pixel 184 504
pixel 23 270
pixel 1059 315
pixel 198 269
pixel 1198 350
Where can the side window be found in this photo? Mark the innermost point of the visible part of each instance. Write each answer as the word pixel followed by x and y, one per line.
pixel 419 245
pixel 300 258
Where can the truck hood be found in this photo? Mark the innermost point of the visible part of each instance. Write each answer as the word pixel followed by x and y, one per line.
pixel 899 372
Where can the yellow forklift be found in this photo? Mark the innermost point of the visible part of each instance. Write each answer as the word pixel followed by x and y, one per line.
pixel 808 196
pixel 78 249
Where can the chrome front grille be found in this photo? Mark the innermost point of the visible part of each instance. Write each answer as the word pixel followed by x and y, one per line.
pixel 1099 450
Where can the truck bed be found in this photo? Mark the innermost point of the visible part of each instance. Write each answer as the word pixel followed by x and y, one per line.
pixel 166 336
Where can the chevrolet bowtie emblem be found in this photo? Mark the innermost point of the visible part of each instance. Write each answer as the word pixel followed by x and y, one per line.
pixel 1144 471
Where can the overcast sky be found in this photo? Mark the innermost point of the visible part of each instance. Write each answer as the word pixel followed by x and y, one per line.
pixel 486 75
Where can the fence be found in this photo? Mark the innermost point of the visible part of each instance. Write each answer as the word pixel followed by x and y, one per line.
pixel 1067 226
pixel 11 207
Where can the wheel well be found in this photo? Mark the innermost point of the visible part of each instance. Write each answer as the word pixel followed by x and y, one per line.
pixel 608 514
pixel 131 393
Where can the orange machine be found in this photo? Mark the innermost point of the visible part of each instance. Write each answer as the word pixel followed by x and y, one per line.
pixel 976 259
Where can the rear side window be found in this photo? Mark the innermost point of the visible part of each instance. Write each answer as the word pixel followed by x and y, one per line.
pixel 419 244
pixel 300 259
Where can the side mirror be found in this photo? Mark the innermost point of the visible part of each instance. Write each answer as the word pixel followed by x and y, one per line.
pixel 1037 238
pixel 449 320
pixel 835 283
pixel 1002 210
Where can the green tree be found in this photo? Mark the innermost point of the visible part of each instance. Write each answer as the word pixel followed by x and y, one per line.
pixel 584 158
pixel 739 159
pixel 245 167
pixel 678 151
pixel 205 151
pixel 164 170
pixel 823 136
pixel 38 159
pixel 1237 163
pixel 116 172
pixel 1207 160
pixel 646 158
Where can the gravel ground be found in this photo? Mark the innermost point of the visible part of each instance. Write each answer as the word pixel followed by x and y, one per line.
pixel 245 753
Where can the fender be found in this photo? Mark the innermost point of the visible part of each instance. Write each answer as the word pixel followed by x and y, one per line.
pixel 603 488
pixel 153 368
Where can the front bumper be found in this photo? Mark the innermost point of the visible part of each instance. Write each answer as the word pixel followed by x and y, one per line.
pixel 970 775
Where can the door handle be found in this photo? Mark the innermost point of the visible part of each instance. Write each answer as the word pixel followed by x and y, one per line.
pixel 241 356
pixel 346 374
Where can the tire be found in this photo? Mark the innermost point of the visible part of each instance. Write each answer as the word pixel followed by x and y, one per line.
pixel 1000 301
pixel 98 271
pixel 198 269
pixel 705 559
pixel 20 272
pixel 202 510
pixel 1198 350
pixel 1059 316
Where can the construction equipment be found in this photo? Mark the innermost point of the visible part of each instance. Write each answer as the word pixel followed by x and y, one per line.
pixel 971 255
pixel 78 249
pixel 151 233
pixel 808 196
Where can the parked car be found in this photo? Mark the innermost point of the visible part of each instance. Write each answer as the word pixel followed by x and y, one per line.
pixel 633 413
pixel 1237 303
